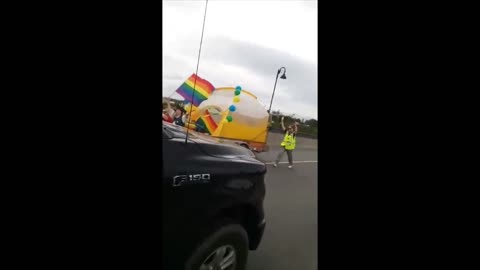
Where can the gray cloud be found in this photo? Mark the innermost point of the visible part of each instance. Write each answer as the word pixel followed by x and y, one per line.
pixel 310 4
pixel 291 95
pixel 301 75
pixel 242 52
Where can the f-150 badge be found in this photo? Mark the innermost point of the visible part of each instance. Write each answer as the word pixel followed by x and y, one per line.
pixel 179 180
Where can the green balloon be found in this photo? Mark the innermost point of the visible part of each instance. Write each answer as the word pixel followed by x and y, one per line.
pixel 229 118
pixel 237 92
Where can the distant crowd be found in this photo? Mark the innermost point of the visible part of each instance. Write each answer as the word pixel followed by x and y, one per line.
pixel 178 116
pixel 175 116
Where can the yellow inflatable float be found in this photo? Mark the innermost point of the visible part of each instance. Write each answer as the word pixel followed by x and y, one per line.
pixel 232 113
pixel 226 112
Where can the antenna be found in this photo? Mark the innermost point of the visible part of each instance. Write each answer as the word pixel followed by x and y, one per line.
pixel 198 62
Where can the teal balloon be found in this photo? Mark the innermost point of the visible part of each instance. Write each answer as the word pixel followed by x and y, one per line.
pixel 232 108
pixel 229 118
pixel 238 88
pixel 237 92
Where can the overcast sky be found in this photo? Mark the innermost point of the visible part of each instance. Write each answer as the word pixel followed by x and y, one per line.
pixel 245 42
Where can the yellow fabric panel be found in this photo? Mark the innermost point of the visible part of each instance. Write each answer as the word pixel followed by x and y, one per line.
pixel 236 131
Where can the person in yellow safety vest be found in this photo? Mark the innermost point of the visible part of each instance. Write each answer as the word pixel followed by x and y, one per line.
pixel 288 143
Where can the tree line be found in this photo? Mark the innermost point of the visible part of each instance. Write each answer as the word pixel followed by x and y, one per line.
pixel 308 127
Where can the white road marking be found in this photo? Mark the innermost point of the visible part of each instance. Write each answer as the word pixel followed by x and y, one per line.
pixel 286 162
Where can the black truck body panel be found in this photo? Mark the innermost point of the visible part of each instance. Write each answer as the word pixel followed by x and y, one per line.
pixel 205 183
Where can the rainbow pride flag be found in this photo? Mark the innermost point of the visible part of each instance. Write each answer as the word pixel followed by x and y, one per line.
pixel 203 89
pixel 206 122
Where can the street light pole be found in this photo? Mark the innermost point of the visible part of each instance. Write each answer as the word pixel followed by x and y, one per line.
pixel 271 100
pixel 276 79
pixel 273 94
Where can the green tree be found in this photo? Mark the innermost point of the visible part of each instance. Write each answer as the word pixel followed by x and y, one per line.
pixel 312 123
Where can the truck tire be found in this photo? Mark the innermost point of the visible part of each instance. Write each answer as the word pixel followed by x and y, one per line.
pixel 229 244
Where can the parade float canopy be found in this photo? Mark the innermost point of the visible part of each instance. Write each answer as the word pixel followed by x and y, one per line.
pixel 249 119
pixel 225 112
pixel 248 109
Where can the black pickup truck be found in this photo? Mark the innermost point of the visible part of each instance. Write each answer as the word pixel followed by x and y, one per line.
pixel 212 202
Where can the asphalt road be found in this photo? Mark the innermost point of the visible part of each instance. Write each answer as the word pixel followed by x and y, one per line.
pixel 290 238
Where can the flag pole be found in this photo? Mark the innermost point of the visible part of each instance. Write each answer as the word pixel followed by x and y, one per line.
pixel 198 62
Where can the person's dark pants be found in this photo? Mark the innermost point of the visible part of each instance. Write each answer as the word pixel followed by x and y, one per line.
pixel 289 154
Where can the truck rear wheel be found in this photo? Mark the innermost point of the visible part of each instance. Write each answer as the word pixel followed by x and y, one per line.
pixel 226 249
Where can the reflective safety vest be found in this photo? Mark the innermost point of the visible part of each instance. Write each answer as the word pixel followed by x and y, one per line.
pixel 289 141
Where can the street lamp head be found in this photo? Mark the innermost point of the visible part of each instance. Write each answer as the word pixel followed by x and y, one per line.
pixel 284 71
